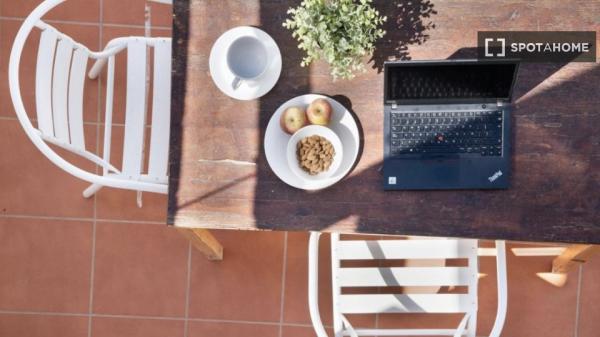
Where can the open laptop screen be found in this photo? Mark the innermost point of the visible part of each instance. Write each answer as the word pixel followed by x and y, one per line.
pixel 433 82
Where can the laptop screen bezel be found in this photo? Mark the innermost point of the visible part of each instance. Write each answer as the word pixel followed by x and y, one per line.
pixel 390 64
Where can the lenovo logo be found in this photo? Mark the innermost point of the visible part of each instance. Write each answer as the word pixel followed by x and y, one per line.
pixel 495 176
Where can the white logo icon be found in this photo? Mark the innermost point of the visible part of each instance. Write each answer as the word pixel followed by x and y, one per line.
pixel 392 180
pixel 490 54
pixel 495 176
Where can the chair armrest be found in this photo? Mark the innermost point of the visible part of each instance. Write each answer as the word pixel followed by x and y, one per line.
pixel 313 284
pixel 502 288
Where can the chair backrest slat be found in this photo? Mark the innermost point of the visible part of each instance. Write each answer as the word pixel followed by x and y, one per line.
pixel 400 303
pixel 76 85
pixel 404 276
pixel 135 110
pixel 406 249
pixel 161 110
pixel 43 81
pixel 60 84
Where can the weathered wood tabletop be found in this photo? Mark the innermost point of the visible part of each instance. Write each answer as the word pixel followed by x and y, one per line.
pixel 219 177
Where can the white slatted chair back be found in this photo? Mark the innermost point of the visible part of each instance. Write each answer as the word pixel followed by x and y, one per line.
pixel 136 108
pixel 60 78
pixel 356 302
pixel 59 86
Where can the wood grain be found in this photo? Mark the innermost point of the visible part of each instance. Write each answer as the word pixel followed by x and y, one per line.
pixel 572 256
pixel 204 241
pixel 219 177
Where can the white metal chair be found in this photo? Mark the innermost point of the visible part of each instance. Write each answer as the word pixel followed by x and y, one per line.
pixel 60 77
pixel 403 276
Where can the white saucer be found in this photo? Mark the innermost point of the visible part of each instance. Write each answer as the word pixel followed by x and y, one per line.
pixel 223 77
pixel 275 143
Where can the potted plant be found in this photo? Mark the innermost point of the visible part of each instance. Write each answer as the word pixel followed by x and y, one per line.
pixel 342 32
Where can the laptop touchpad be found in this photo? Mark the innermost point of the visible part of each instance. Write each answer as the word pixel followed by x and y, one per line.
pixel 443 170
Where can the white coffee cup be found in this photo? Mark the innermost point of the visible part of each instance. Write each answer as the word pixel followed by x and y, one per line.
pixel 247 59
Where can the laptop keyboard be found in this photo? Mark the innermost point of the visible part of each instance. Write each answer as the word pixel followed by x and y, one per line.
pixel 456 132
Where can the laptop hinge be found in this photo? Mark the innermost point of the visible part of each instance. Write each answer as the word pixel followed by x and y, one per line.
pixel 394 106
pixel 499 103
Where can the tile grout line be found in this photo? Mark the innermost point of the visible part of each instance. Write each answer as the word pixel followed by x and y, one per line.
pixel 163 318
pixel 92 274
pixel 95 209
pixel 66 218
pixel 187 290
pixel 87 23
pixel 99 124
pixel 283 274
pixel 159 318
pixel 578 304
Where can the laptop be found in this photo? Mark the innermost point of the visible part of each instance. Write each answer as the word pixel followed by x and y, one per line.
pixel 447 124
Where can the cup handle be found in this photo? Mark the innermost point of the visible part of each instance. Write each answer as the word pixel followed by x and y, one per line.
pixel 236 83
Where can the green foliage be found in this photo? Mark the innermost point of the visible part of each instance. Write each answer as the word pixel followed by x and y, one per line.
pixel 341 32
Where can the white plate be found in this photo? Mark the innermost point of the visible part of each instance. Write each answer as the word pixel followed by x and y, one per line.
pixel 223 77
pixel 275 143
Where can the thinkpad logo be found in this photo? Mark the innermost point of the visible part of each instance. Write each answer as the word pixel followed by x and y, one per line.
pixel 495 176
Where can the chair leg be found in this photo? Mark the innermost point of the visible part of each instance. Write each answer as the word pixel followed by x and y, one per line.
pixel 88 192
pixel 97 68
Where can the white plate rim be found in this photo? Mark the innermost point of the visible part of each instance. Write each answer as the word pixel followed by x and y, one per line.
pixel 273 126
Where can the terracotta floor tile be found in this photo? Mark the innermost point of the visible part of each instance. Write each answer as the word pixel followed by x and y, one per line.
pixel 246 285
pixel 298 331
pixel 42 326
pixel 162 32
pixel 120 327
pixel 589 305
pixel 531 301
pixel 75 10
pixel 220 329
pixel 140 270
pixel 85 34
pixel 32 185
pixel 131 12
pixel 45 265
pixel 121 204
pixel 419 321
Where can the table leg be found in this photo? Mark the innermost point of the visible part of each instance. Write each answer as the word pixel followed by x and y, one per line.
pixel 567 260
pixel 204 241
pixel 573 255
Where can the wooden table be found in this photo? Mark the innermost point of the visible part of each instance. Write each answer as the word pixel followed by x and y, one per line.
pixel 219 177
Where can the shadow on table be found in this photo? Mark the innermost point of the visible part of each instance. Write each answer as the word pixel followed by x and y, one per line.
pixel 358 202
pixel 181 11
pixel 555 178
pixel 408 22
